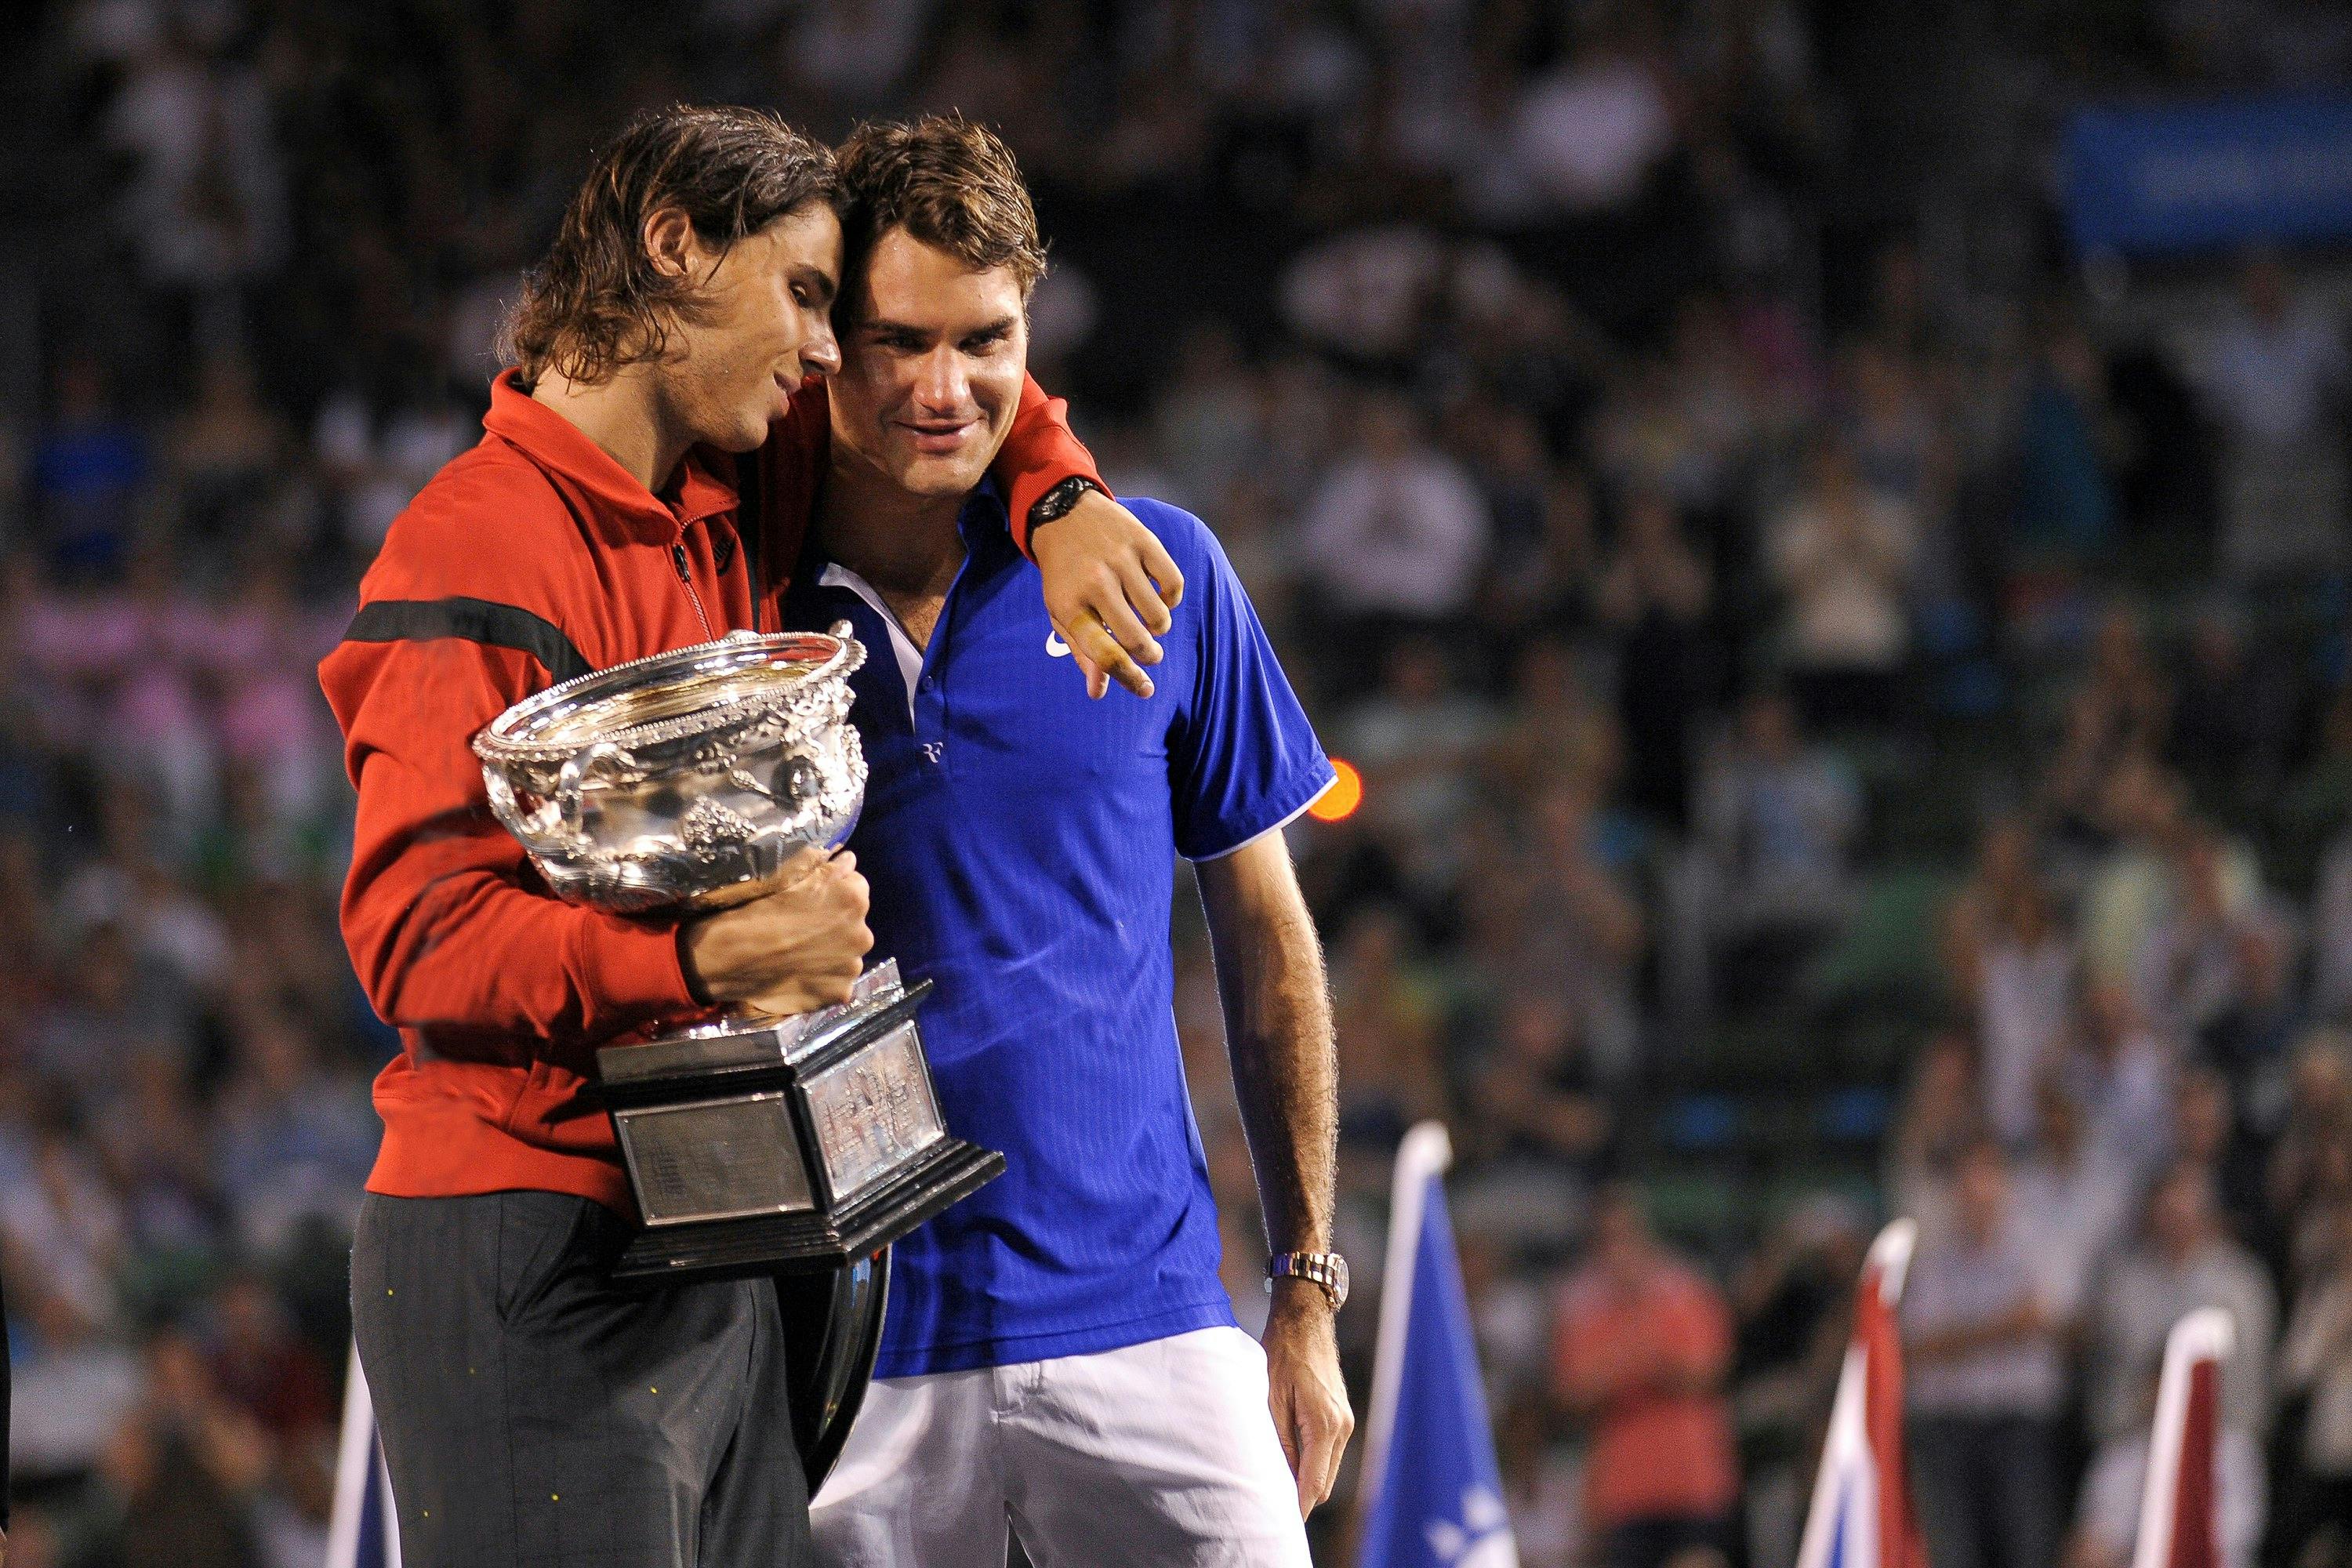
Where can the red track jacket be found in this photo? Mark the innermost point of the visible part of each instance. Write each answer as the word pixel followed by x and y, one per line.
pixel 529 559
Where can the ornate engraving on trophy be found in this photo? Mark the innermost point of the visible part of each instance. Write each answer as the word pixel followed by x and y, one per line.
pixel 874 1112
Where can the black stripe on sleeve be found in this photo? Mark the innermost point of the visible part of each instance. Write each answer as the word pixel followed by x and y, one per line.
pixel 475 620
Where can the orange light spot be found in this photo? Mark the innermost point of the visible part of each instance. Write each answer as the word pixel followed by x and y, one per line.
pixel 1346 793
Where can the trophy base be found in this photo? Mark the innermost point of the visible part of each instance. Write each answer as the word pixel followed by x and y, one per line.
pixel 810 1241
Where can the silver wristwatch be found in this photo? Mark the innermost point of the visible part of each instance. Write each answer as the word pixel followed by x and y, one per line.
pixel 1325 1269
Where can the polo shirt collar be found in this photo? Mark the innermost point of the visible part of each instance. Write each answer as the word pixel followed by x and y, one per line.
pixel 983 517
pixel 705 489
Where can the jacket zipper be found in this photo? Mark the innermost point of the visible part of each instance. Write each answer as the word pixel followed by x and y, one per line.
pixel 686 577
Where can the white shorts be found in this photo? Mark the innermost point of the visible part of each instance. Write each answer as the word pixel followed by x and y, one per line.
pixel 1162 1453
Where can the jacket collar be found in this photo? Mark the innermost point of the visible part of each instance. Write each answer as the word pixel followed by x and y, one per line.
pixel 706 486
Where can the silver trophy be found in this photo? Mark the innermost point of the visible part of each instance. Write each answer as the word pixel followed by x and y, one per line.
pixel 753 1144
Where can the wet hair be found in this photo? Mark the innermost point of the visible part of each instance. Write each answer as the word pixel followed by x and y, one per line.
pixel 596 303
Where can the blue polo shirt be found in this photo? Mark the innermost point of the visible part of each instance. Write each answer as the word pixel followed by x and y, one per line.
pixel 1022 843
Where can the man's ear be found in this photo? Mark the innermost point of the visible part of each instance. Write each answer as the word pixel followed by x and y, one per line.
pixel 670 241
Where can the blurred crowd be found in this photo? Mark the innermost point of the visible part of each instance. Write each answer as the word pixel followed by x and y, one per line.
pixel 1853 703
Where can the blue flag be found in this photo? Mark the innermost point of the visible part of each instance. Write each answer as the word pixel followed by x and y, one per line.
pixel 363 1531
pixel 1435 1493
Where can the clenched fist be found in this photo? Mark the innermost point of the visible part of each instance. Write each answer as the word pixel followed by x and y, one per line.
pixel 793 948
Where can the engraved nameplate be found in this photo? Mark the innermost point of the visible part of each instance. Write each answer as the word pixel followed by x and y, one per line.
pixel 874 1112
pixel 717 1159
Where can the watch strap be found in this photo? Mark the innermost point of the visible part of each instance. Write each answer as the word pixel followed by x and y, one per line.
pixel 1058 502
pixel 1327 1270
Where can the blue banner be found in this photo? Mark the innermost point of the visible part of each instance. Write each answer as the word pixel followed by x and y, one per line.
pixel 1436 1498
pixel 2194 177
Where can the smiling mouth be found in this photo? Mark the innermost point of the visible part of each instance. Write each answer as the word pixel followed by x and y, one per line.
pixel 936 438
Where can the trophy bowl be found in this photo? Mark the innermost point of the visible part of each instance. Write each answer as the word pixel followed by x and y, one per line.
pixel 686 779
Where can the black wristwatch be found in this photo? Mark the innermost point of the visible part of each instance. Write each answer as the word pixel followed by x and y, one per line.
pixel 1057 501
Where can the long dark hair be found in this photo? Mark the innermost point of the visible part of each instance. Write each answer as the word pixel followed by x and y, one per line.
pixel 596 303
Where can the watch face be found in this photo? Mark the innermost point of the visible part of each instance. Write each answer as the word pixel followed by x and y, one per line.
pixel 1339 1277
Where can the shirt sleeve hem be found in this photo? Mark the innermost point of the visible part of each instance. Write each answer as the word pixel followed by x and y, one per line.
pixel 1322 780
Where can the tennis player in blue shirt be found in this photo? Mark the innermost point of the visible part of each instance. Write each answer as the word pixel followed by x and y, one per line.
pixel 1059 1356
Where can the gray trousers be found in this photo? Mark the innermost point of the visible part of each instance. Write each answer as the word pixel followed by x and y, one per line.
pixel 532 1413
pixel 1988 1489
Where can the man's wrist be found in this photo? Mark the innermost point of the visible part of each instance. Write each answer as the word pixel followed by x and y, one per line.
pixel 1326 1272
pixel 1059 501
pixel 1303 1296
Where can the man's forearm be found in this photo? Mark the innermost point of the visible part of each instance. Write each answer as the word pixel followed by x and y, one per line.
pixel 1278 1011
pixel 1287 1075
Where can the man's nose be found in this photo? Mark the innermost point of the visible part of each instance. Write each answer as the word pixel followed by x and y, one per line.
pixel 821 355
pixel 942 383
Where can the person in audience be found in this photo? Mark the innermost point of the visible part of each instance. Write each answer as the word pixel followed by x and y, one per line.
pixel 2064 509
pixel 2114 722
pixel 1397 533
pixel 1642 1351
pixel 1583 929
pixel 2317 1124
pixel 1415 739
pixel 1942 1118
pixel 2272 380
pixel 2135 885
pixel 1843 553
pixel 2233 713
pixel 2206 1133
pixel 1988 1381
pixel 89 474
pixel 2072 1200
pixel 2119 1071
pixel 2315 1369
pixel 1792 1300
pixel 1553 728
pixel 1777 820
pixel 2192 971
pixel 1536 1094
pixel 1392 1075
pixel 2013 963
pixel 2250 1033
pixel 75 1382
pixel 2183 1261
pixel 184 1469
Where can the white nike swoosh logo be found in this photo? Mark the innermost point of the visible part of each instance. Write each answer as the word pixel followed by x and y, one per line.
pixel 1056 646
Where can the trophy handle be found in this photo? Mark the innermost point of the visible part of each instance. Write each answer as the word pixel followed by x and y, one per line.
pixel 833 1331
pixel 572 779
